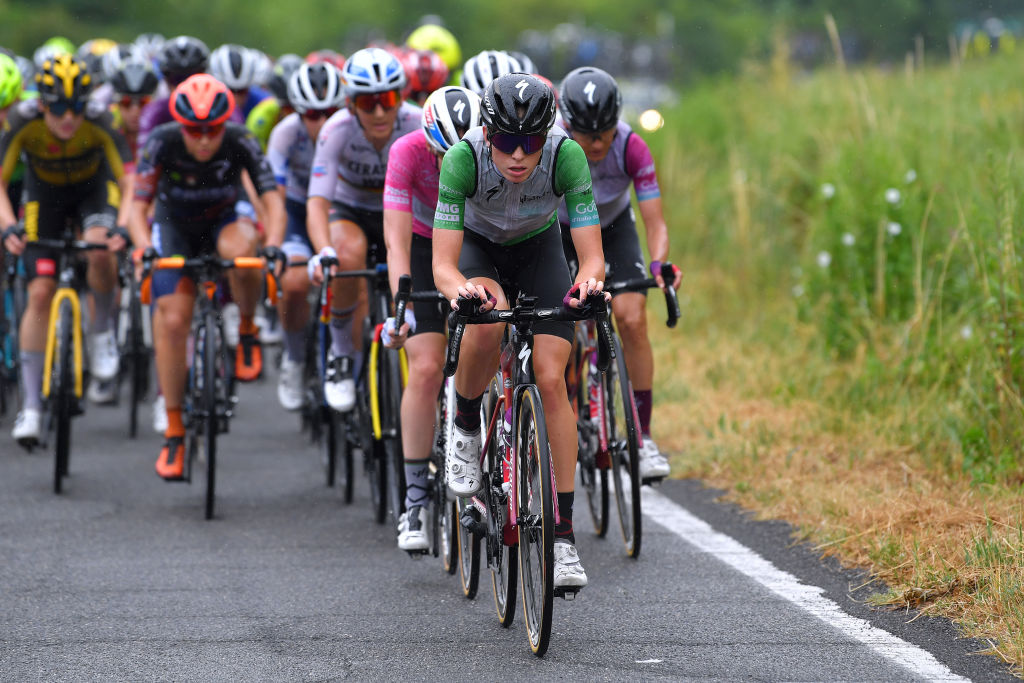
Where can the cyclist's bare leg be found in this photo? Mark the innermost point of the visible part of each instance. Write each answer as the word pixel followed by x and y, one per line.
pixel 426 358
pixel 32 338
pixel 240 239
pixel 294 305
pixel 172 323
pixel 348 294
pixel 550 354
pixel 630 311
pixel 102 280
pixel 481 349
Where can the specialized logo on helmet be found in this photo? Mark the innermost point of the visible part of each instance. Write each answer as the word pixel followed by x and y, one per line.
pixel 460 109
pixel 589 91
pixel 521 87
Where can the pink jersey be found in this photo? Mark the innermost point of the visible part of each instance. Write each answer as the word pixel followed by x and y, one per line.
pixel 411 181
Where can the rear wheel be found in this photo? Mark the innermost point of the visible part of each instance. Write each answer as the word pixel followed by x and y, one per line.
pixel 536 519
pixel 623 446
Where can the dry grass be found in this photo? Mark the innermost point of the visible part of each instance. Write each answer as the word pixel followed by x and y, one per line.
pixel 942 546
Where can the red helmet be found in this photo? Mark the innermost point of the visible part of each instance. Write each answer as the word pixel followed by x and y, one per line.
pixel 202 100
pixel 329 56
pixel 425 71
pixel 548 83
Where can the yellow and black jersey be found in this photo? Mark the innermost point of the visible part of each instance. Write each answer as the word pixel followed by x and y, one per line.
pixel 58 162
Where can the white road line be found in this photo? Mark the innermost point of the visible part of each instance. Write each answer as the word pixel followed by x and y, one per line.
pixel 698 533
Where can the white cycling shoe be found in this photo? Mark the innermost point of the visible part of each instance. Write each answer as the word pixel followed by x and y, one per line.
pixel 103 355
pixel 568 570
pixel 414 529
pixel 339 385
pixel 653 464
pixel 160 415
pixel 462 464
pixel 27 427
pixel 102 392
pixel 289 385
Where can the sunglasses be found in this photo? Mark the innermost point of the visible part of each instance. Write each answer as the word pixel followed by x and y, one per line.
pixel 199 131
pixel 134 101
pixel 60 107
pixel 507 143
pixel 317 114
pixel 387 100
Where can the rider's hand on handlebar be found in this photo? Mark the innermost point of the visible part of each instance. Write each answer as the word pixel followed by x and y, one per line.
pixel 475 291
pixel 14 239
pixel 656 273
pixel 275 259
pixel 118 238
pixel 578 293
pixel 314 267
pixel 395 340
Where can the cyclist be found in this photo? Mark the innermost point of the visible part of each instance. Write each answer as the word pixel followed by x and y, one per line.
pixel 179 58
pixel 10 85
pixel 192 169
pixel 345 204
pixel 315 92
pixel 425 72
pixel 74 171
pixel 499 192
pixel 590 103
pixel 235 66
pixel 440 40
pixel 481 69
pixel 271 111
pixel 410 200
pixel 133 81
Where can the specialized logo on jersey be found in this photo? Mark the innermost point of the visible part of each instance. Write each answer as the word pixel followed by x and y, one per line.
pixel 589 89
pixel 521 87
pixel 493 191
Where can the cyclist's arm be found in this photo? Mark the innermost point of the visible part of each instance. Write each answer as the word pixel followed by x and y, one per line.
pixel 398 241
pixel 126 186
pixel 657 230
pixel 458 175
pixel 572 178
pixel 322 177
pixel 640 165
pixel 277 153
pixel 147 176
pixel 398 190
pixel 138 226
pixel 276 221
pixel 10 152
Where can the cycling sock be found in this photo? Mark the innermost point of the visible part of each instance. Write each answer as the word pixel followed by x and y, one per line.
pixel 467 413
pixel 246 325
pixel 32 379
pixel 295 345
pixel 175 425
pixel 644 406
pixel 416 482
pixel 563 530
pixel 103 309
pixel 341 331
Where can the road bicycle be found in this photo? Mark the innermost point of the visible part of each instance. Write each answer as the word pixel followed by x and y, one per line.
pixel 607 423
pixel 135 353
pixel 515 513
pixel 210 386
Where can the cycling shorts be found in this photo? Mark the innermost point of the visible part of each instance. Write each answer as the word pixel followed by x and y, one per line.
pixel 535 267
pixel 429 317
pixel 188 240
pixel 370 222
pixel 296 237
pixel 48 209
pixel 624 259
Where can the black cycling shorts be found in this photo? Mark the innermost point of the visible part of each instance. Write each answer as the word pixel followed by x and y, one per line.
pixel 429 317
pixel 188 240
pixel 623 257
pixel 370 222
pixel 535 267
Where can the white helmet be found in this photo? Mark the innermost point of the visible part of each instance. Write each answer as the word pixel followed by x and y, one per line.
pixel 234 66
pixel 447 114
pixel 372 70
pixel 481 69
pixel 315 87
pixel 150 44
pixel 526 64
pixel 115 58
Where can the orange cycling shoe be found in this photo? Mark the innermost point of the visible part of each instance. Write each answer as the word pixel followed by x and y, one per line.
pixel 171 463
pixel 248 357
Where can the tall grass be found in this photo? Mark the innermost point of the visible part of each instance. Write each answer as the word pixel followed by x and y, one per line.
pixel 878 211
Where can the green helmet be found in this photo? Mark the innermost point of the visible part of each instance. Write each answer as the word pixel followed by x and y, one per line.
pixel 10 81
pixel 437 39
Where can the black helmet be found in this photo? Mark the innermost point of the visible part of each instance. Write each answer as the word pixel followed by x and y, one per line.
pixel 519 104
pixel 135 76
pixel 182 57
pixel 63 77
pixel 590 100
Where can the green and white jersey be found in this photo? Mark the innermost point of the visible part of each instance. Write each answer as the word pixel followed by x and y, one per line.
pixel 473 195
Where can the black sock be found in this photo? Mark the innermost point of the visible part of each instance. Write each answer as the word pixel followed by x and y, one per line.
pixel 563 530
pixel 467 413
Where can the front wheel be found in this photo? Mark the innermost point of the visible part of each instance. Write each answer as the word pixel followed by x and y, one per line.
pixel 469 550
pixel 206 349
pixel 62 392
pixel 623 446
pixel 535 518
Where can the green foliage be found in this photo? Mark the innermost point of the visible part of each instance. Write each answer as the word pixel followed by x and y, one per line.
pixel 883 208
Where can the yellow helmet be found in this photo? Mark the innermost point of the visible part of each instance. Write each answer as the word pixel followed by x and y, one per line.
pixel 63 78
pixel 437 39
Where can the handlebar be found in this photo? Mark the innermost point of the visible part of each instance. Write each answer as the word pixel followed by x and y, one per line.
pixel 641 284
pixel 468 313
pixel 66 245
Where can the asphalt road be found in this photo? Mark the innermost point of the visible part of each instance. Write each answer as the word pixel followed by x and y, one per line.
pixel 121 578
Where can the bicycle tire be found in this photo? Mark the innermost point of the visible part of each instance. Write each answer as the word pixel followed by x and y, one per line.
pixel 624 448
pixel 502 558
pixel 469 552
pixel 62 392
pixel 208 341
pixel 391 403
pixel 446 534
pixel 593 464
pixel 535 517
pixel 138 363
pixel 445 513
pixel 344 475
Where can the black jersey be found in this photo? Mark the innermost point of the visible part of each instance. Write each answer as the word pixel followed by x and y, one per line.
pixel 194 191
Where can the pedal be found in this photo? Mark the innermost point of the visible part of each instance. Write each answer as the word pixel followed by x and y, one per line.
pixel 472 522
pixel 652 481
pixel 418 554
pixel 567 592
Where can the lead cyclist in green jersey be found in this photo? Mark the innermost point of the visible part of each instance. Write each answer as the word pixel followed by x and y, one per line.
pixel 496 223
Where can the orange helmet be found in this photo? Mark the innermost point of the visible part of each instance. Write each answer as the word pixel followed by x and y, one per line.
pixel 425 71
pixel 201 100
